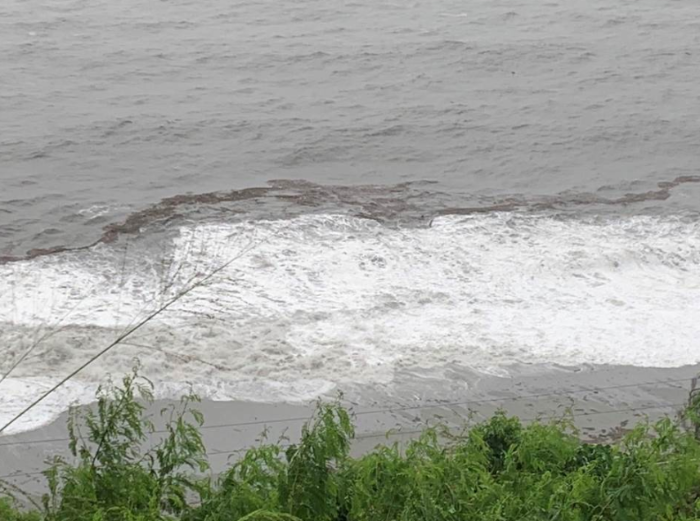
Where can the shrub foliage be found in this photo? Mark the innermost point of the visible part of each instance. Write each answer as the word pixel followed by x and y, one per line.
pixel 500 470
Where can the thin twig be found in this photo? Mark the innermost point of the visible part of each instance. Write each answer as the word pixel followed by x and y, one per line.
pixel 46 335
pixel 125 335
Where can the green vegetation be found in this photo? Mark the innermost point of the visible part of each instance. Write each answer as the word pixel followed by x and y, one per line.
pixel 498 470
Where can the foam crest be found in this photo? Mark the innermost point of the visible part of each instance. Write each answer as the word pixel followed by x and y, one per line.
pixel 326 300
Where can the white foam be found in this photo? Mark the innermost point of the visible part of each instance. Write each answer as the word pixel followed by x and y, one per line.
pixel 328 300
pixel 96 210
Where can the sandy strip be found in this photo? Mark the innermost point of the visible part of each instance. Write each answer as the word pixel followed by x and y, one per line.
pixel 605 402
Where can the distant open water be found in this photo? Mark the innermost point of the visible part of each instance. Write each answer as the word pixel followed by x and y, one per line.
pixel 107 107
pixel 479 184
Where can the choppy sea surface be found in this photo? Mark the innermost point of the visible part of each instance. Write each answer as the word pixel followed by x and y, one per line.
pixel 378 186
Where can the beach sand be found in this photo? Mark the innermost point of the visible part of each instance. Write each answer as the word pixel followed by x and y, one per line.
pixel 604 403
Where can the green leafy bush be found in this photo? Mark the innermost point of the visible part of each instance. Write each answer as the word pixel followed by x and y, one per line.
pixel 112 478
pixel 500 470
pixel 8 512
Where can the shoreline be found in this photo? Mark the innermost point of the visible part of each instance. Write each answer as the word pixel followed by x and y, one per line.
pixel 381 203
pixel 603 402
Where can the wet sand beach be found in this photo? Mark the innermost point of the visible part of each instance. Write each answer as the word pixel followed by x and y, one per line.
pixel 603 403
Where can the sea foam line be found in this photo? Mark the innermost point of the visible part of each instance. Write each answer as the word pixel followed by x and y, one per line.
pixel 334 300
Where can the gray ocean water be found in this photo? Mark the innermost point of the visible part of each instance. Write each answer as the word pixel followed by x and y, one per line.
pixel 409 190
pixel 108 107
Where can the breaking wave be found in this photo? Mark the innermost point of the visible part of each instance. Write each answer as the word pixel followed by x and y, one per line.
pixel 320 301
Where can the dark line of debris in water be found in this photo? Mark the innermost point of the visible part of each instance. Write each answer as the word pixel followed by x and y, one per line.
pixel 374 202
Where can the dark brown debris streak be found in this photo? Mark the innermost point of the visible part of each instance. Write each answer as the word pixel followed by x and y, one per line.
pixel 391 204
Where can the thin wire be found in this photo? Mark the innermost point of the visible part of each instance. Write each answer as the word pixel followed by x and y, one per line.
pixel 125 335
pixel 22 474
pixel 539 418
pixel 390 433
pixel 54 329
pixel 516 398
pixel 401 409
pixel 184 358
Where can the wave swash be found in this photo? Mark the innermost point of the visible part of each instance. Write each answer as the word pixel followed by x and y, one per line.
pixel 321 301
